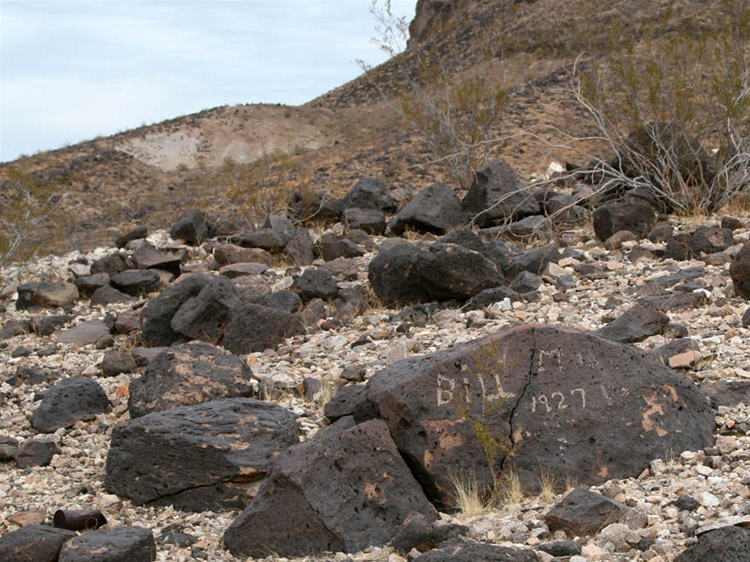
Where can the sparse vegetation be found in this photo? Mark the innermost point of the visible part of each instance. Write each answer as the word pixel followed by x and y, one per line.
pixel 469 496
pixel 26 202
pixel 675 112
pixel 455 114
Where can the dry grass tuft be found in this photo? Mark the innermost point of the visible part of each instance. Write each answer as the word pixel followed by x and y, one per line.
pixel 469 497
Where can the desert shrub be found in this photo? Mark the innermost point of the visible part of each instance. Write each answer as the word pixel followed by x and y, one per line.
pixel 674 110
pixel 26 201
pixel 456 114
pixel 254 191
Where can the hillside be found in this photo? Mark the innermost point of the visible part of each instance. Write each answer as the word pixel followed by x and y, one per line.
pixel 150 174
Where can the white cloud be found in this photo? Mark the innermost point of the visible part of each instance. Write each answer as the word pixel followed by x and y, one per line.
pixel 74 69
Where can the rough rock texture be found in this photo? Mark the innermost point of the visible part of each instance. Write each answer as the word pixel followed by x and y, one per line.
pixel 406 274
pixel 70 400
pixel 254 327
pixel 740 272
pixel 192 227
pixel 635 324
pixel 198 457
pixel 315 284
pixel 204 315
pixel 543 394
pixel 46 294
pixel 435 209
pixel 125 544
pixel 343 491
pixel 186 374
pixel 726 544
pixel 157 316
pixel 35 452
pixel 497 194
pixel 369 193
pixel 632 215
pixel 583 512
pixel 39 543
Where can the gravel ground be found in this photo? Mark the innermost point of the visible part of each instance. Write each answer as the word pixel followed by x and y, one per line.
pixel 717 477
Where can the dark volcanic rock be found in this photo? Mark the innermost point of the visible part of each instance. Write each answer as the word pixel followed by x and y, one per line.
pixel 226 254
pixel 635 324
pixel 204 315
pixel 533 261
pixel 108 295
pixel 583 512
pixel 407 274
pixel 739 271
pixel 193 227
pixel 343 491
pixel 87 285
pixel 727 392
pixel 189 373
pixel 46 294
pixel 157 316
pixel 8 448
pixel 315 284
pixel 591 408
pixel 300 247
pixel 372 221
pixel 704 240
pixel 632 215
pixel 332 247
pixel 70 400
pixel 136 282
pixel 395 277
pixel 40 543
pixel 124 544
pixel 435 209
pixel 726 544
pixel 148 257
pixel 35 452
pixel 421 533
pixel 369 193
pixel 497 194
pixel 111 264
pixel 458 550
pixel 254 327
pixel 84 333
pixel 116 362
pixel 198 457
pixel 135 234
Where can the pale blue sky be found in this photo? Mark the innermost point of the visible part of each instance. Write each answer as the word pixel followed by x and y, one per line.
pixel 71 69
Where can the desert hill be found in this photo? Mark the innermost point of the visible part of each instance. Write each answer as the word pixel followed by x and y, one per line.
pixel 150 174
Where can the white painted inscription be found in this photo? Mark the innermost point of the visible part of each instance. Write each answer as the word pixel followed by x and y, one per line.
pixel 558 401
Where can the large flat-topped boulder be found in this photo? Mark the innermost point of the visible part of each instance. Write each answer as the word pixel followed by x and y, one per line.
pixel 203 457
pixel 537 399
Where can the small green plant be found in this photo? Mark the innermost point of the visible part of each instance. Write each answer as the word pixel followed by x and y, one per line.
pixel 456 114
pixel 483 374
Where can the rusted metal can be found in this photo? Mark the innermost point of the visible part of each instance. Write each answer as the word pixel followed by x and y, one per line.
pixel 79 520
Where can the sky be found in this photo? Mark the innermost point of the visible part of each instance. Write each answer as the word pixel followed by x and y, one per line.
pixel 71 70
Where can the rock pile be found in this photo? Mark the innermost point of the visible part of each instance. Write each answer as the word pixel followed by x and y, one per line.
pixel 216 404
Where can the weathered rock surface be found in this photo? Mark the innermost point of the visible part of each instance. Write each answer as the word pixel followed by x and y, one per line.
pixel 635 324
pixel 201 457
pixel 435 209
pixel 740 272
pixel 35 452
pixel 46 294
pixel 632 215
pixel 84 333
pixel 193 227
pixel 590 408
pixel 315 284
pixel 583 512
pixel 343 491
pixel 39 543
pixel 255 327
pixel 369 193
pixel 406 273
pixel 204 315
pixel 157 316
pixel 189 373
pixel 497 194
pixel 70 400
pixel 726 544
pixel 125 544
